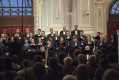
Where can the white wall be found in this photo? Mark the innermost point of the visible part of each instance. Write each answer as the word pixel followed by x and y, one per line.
pixel 55 13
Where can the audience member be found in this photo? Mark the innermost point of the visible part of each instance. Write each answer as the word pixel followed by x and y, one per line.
pixel 68 68
pixel 111 74
pixel 69 77
pixel 82 72
pixel 26 65
pixel 15 63
pixel 54 74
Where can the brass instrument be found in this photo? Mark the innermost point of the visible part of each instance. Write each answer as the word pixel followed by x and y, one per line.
pixel 46 59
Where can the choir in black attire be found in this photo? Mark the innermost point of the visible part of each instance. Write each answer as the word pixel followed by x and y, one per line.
pixel 29 45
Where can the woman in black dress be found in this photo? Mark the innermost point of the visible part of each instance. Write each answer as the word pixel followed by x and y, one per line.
pixel 61 47
pixel 89 42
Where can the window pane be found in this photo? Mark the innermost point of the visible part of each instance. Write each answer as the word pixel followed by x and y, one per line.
pixel 29 13
pixel 117 12
pixel 6 13
pixel 13 3
pixel 115 5
pixel 14 13
pixel 21 13
pixel 20 3
pixel 0 4
pixel 30 3
pixel 113 11
pixel 117 8
pixel 6 9
pixel 29 9
pixel 5 3
pixel 14 9
pixel 0 11
pixel 118 2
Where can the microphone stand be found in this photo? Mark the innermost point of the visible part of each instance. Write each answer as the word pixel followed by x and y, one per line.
pixel 22 18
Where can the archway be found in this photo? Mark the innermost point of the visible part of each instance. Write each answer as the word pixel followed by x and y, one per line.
pixel 113 18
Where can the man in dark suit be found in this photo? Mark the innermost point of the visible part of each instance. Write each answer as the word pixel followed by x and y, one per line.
pixel 51 35
pixel 63 32
pixel 98 36
pixel 38 34
pixel 43 37
pixel 75 31
pixel 31 36
pixel 17 33
pixel 4 35
pixel 68 37
pixel 27 33
pixel 82 36
pixel 5 32
pixel 56 37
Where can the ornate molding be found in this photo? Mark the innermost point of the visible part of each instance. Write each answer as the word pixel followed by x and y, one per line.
pixel 36 16
pixel 100 3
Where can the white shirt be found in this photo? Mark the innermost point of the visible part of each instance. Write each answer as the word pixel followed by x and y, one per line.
pixel 68 37
pixel 76 32
pixel 38 34
pixel 64 32
pixel 55 38
pixel 52 35
pixel 27 35
pixel 42 37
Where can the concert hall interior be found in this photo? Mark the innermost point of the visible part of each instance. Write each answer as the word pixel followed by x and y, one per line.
pixel 59 39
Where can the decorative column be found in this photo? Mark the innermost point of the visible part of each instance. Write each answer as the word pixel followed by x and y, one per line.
pixel 118 45
pixel 85 16
pixel 36 15
pixel 100 15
